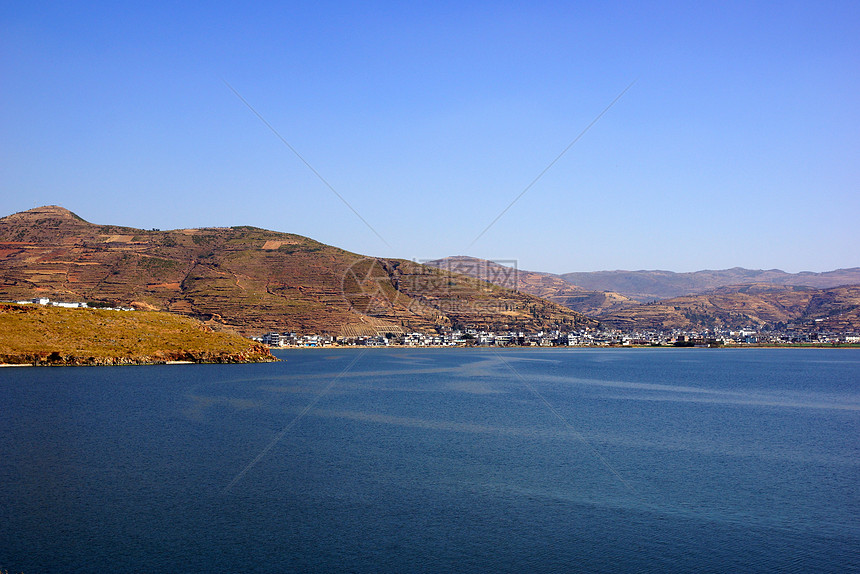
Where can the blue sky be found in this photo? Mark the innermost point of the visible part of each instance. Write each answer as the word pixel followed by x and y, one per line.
pixel 738 144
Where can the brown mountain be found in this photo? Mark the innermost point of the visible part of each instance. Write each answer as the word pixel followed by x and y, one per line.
pixel 651 285
pixel 757 306
pixel 545 285
pixel 251 280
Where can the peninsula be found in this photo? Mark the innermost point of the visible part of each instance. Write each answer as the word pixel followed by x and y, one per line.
pixel 32 334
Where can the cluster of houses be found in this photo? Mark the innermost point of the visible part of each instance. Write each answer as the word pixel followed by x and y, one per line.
pixel 584 338
pixel 452 338
pixel 747 336
pixel 74 305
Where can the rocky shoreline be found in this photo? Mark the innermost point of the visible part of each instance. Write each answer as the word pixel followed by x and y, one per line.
pixel 256 354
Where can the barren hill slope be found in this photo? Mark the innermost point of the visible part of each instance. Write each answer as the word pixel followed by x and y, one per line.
pixel 545 285
pixel 250 279
pixel 758 306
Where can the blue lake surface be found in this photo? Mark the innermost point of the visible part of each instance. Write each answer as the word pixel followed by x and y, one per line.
pixel 433 460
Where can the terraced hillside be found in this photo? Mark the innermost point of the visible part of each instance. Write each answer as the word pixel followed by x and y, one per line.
pixel 251 280
pixel 757 305
pixel 545 285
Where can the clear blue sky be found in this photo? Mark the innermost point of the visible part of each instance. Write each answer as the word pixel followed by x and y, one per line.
pixel 739 143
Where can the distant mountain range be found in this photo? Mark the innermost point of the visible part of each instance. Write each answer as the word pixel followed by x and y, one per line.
pixel 646 286
pixel 731 298
pixel 251 280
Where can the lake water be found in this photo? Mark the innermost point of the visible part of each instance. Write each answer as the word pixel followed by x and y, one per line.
pixel 557 460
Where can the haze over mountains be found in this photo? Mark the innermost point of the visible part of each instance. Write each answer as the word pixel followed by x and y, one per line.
pixel 650 285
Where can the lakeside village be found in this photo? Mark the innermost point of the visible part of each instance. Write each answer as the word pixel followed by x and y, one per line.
pixel 583 338
pixel 478 338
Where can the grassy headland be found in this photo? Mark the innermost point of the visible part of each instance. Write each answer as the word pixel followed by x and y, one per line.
pixel 37 335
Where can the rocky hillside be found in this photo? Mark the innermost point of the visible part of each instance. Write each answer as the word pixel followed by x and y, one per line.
pixel 251 280
pixel 545 285
pixel 758 306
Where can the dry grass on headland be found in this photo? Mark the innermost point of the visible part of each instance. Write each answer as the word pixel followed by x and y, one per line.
pixel 37 335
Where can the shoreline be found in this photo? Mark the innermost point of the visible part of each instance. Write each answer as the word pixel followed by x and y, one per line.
pixel 572 347
pixel 141 364
pixel 128 361
pixel 73 361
